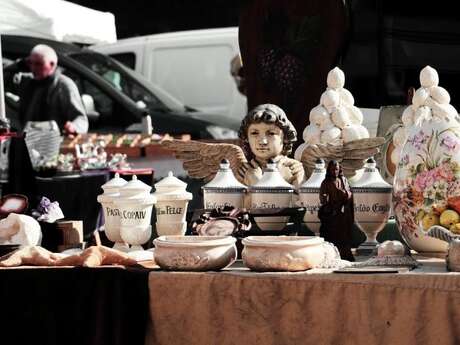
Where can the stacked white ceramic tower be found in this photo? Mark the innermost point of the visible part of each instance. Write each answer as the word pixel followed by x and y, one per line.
pixel 335 120
pixel 430 102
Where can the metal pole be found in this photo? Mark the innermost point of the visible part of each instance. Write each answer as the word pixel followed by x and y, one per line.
pixel 2 93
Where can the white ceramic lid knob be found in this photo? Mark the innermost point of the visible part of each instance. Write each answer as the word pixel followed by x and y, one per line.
pixel 319 164
pixel 224 164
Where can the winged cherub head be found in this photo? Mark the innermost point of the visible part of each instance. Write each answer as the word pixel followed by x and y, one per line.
pixel 267 133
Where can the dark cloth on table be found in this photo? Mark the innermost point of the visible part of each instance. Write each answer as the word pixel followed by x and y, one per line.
pixel 337 226
pixel 77 196
pixel 91 306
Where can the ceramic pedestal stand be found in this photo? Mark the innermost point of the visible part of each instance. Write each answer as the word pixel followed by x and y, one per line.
pixel 369 246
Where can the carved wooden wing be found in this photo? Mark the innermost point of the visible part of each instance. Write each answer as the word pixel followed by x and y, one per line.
pixel 351 155
pixel 201 160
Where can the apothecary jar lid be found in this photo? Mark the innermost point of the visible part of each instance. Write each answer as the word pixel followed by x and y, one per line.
pixel 171 188
pixel 134 187
pixel 114 184
pixel 316 178
pixel 271 180
pixel 225 179
pixel 371 177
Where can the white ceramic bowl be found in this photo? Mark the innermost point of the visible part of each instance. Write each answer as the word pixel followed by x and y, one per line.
pixel 194 253
pixel 282 253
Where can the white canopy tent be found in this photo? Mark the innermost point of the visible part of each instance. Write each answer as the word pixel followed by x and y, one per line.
pixel 57 19
pixel 54 19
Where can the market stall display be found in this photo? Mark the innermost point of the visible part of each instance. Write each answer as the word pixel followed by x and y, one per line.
pixel 131 145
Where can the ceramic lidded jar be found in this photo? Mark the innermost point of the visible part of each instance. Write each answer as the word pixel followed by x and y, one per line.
pixel 224 189
pixel 111 212
pixel 426 188
pixel 135 204
pixel 171 207
pixel 309 196
pixel 372 203
pixel 270 192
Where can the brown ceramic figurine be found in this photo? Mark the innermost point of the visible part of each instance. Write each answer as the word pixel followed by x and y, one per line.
pixel 336 211
pixel 265 132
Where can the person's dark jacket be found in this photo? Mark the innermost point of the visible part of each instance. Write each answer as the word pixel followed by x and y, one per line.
pixel 54 98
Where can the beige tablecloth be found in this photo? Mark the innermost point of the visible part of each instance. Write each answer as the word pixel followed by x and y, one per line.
pixel 237 306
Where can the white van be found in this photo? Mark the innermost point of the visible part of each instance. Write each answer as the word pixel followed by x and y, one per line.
pixel 193 66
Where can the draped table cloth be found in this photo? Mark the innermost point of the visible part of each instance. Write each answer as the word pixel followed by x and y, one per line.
pixel 238 306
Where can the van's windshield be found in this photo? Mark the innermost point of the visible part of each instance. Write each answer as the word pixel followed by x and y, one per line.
pixel 121 80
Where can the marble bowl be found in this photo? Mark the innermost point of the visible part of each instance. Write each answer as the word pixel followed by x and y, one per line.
pixel 282 253
pixel 194 253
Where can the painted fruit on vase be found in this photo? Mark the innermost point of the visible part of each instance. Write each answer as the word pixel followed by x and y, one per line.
pixel 427 183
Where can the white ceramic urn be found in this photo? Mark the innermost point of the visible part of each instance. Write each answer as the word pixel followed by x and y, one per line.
pixel 135 204
pixel 270 192
pixel 372 203
pixel 111 212
pixel 171 207
pixel 224 189
pixel 309 196
pixel 427 177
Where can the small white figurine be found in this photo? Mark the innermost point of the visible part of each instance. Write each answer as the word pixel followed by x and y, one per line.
pixel 20 229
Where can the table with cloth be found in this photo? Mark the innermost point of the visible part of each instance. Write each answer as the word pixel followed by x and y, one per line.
pixel 238 306
pixel 143 305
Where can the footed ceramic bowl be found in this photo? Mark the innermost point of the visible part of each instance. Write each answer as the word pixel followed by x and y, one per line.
pixel 194 253
pixel 282 253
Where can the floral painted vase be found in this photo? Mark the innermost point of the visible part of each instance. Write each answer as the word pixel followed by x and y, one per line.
pixel 426 189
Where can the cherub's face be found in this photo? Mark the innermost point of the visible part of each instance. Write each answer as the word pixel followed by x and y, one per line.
pixel 265 140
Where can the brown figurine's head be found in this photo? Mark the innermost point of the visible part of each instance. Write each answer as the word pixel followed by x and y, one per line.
pixel 267 133
pixel 333 170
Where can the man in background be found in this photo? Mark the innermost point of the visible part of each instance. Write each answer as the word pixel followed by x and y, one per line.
pixel 46 95
pixel 50 95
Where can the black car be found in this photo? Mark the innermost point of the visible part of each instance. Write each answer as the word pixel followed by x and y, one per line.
pixel 116 97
